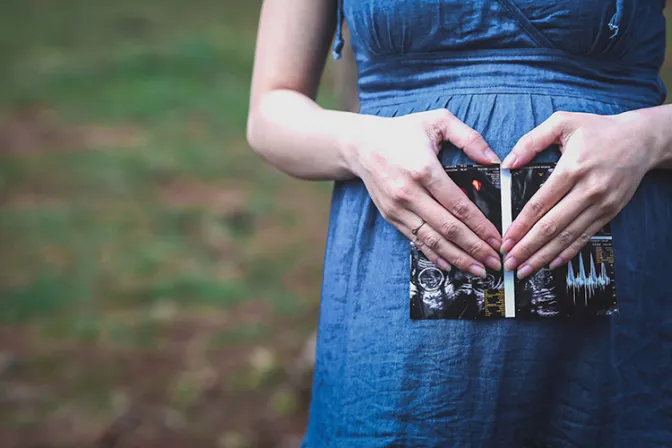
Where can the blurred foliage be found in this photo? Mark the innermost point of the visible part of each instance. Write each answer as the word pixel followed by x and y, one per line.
pixel 157 280
pixel 147 253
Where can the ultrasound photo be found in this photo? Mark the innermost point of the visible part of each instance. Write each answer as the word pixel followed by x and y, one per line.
pixel 437 294
pixel 584 287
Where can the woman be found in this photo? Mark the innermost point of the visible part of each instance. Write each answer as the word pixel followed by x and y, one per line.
pixel 484 80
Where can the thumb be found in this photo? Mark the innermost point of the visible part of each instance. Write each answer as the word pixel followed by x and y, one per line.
pixel 538 139
pixel 450 128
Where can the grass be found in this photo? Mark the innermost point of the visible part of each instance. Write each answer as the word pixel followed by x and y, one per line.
pixel 146 252
pixel 135 220
pixel 102 231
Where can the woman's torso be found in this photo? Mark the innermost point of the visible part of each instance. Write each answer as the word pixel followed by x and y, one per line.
pixel 501 66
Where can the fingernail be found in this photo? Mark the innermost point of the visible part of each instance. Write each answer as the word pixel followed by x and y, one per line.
pixel 524 271
pixel 556 263
pixel 494 263
pixel 510 161
pixel 508 244
pixel 443 264
pixel 490 155
pixel 478 271
pixel 494 243
pixel 510 264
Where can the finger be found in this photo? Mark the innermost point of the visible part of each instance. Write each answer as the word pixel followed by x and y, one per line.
pixel 432 256
pixel 452 199
pixel 538 139
pixel 435 243
pixel 551 227
pixel 579 231
pixel 450 128
pixel 579 243
pixel 455 231
pixel 433 240
pixel 554 189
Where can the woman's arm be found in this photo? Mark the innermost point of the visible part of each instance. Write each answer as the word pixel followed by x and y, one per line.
pixel 285 125
pixel 604 159
pixel 654 126
pixel 396 158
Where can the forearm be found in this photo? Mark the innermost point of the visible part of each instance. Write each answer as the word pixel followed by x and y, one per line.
pixel 653 127
pixel 294 134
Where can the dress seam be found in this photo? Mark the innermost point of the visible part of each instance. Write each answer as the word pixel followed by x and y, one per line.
pixel 412 98
pixel 504 53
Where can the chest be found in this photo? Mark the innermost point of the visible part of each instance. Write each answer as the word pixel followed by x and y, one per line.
pixel 381 27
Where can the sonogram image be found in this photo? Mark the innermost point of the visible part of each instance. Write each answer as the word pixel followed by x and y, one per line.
pixel 585 286
pixel 525 182
pixel 437 294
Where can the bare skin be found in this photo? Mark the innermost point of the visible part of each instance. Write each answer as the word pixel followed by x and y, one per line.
pixel 604 159
pixel 396 158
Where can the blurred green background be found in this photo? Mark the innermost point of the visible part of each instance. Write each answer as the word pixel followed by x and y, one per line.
pixel 159 284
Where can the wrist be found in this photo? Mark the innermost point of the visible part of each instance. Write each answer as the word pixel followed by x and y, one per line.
pixel 652 130
pixel 351 131
pixel 652 127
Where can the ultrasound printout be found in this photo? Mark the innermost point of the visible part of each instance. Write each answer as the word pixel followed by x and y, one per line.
pixel 437 294
pixel 584 287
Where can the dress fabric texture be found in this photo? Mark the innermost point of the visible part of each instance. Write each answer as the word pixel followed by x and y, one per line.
pixel 502 67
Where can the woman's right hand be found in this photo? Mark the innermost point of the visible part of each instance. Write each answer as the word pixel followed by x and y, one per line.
pixel 397 158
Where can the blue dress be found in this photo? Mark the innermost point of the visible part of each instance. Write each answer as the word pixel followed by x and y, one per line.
pixel 502 67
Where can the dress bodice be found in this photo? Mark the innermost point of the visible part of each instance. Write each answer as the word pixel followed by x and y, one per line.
pixel 611 42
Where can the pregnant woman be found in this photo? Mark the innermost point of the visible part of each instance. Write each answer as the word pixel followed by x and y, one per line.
pixel 443 82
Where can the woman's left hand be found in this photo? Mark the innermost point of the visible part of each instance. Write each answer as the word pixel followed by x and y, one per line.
pixel 604 158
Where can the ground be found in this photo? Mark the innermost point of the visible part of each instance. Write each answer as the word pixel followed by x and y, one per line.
pixel 159 283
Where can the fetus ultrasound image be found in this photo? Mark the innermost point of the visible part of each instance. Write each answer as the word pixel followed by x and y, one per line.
pixel 585 286
pixel 437 294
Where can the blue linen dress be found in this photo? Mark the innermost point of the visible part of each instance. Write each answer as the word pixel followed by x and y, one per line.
pixel 502 67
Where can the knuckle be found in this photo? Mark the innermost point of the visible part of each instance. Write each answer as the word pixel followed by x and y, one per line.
pixel 548 228
pixel 459 261
pixel 561 116
pixel 473 136
pixel 527 141
pixel 386 215
pixel 460 210
pixel 443 114
pixel 479 228
pixel 390 214
pixel 566 238
pixel 450 230
pixel 401 194
pixel 583 239
pixel 435 123
pixel 421 174
pixel 475 249
pixel 596 191
pixel 432 241
pixel 611 207
pixel 543 260
pixel 536 207
pixel 524 250
pixel 576 170
pixel 546 259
